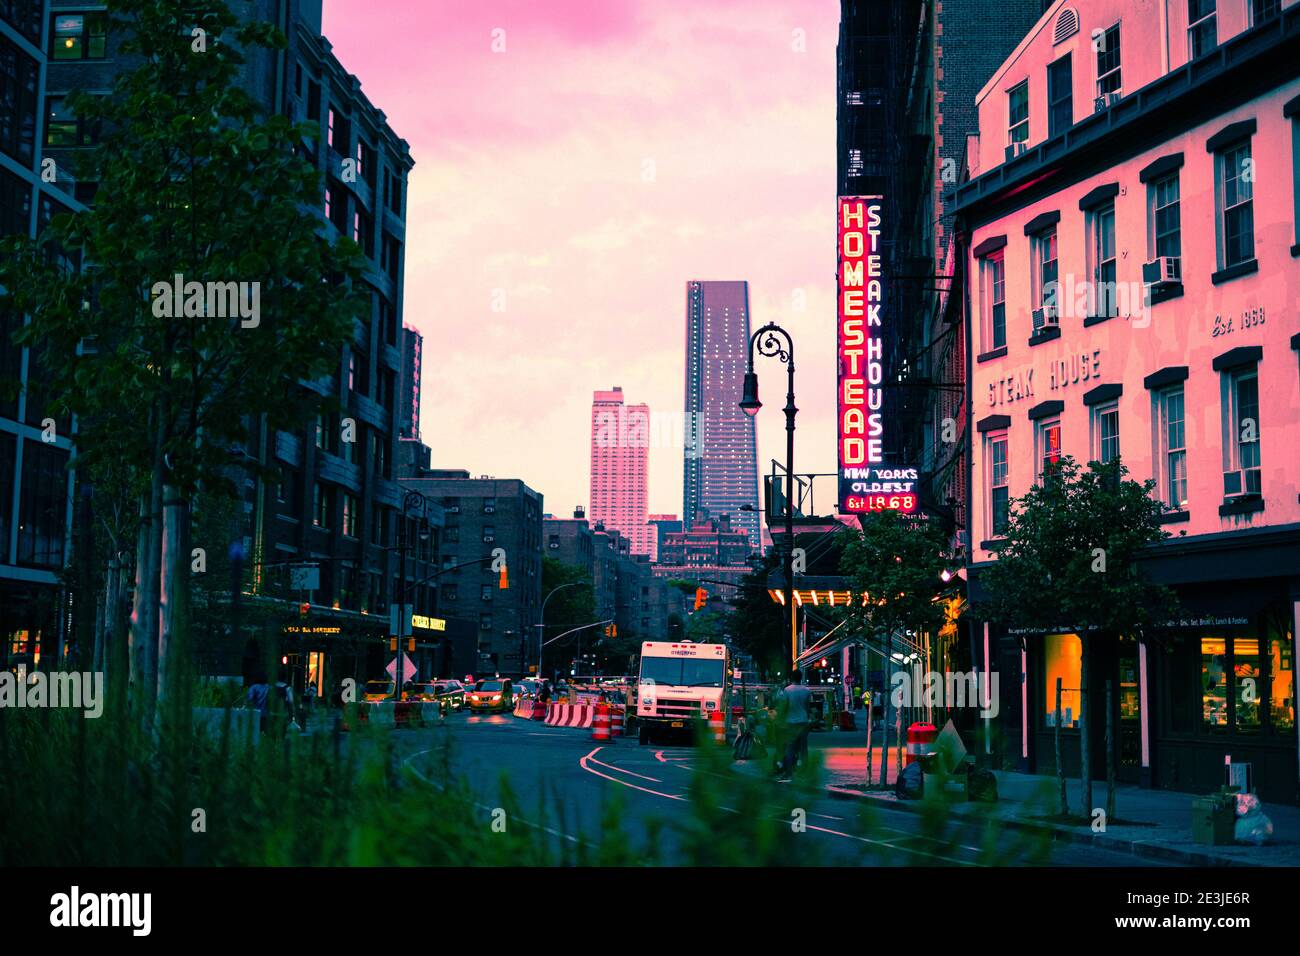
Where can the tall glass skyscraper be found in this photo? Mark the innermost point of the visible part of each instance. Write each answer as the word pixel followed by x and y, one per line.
pixel 620 441
pixel 720 469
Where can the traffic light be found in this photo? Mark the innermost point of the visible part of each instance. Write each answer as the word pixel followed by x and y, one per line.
pixel 410 644
pixel 701 598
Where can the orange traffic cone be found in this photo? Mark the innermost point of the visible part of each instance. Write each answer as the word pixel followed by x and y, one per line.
pixel 600 723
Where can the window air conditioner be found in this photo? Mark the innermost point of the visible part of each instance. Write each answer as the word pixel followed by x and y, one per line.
pixel 1163 270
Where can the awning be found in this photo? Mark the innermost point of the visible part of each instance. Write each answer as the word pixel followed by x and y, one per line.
pixel 829 645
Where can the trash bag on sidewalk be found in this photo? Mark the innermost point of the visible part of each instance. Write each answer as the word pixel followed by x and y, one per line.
pixel 1253 827
pixel 748 747
pixel 910 783
pixel 983 786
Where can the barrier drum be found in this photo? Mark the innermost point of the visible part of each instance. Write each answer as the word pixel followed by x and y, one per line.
pixel 920 742
pixel 616 722
pixel 718 726
pixel 600 723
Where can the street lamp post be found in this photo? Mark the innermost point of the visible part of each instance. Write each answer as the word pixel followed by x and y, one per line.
pixel 768 341
pixel 541 627
pixel 410 498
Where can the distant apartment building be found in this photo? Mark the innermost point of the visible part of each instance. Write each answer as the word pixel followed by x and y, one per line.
pixel 661 524
pixel 35 483
pixel 720 467
pixel 408 419
pixel 488 521
pixel 620 441
pixel 709 548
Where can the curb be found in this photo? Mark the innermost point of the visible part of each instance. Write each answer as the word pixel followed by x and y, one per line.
pixel 1141 848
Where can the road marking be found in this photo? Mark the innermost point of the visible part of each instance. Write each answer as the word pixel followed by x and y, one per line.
pixel 483 806
pixel 621 769
pixel 890 844
pixel 583 764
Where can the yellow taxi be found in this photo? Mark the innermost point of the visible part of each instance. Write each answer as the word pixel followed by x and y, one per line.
pixel 492 696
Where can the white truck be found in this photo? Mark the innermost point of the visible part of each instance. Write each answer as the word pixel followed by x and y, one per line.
pixel 679 684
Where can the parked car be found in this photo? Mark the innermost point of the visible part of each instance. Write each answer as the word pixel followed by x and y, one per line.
pixel 378 690
pixel 492 696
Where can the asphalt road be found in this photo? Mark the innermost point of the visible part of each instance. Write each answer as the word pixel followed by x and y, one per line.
pixel 678 806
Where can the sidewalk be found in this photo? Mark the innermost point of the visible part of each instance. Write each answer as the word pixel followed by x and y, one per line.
pixel 1150 823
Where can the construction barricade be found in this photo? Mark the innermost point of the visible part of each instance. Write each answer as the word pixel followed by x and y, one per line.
pixel 616 722
pixel 570 715
pixel 600 723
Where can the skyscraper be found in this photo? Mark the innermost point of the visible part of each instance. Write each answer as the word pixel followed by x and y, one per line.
pixel 620 439
pixel 720 470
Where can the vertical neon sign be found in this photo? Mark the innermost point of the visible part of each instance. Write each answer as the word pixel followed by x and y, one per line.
pixel 865 483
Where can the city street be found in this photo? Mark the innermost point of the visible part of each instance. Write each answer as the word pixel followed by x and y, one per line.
pixel 550 767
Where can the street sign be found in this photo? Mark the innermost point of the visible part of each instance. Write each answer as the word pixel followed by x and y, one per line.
pixel 305 577
pixel 399 620
pixel 408 669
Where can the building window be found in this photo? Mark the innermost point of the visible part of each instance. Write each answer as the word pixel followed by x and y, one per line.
pixel 79 37
pixel 363 232
pixel 486 592
pixel 1202 28
pixel 1105 430
pixel 1018 114
pixel 25 16
pixel 1281 685
pixel 485 622
pixel 489 505
pixel 1060 96
pixel 18 102
pixel 1166 220
pixel 1047 452
pixel 999 490
pixel 377 526
pixel 63 129
pixel 1241 467
pixel 1108 69
pixel 1235 199
pixel 1101 259
pixel 1172 441
pixel 489 534
pixel 1043 250
pixel 42 505
pixel 349 515
pixel 451 534
pixel 1062 658
pixel 339 133
pixel 1262 10
pixel 320 516
pixel 993 270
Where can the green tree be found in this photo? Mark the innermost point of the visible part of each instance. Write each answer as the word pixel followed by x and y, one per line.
pixel 1071 562
pixel 193 183
pixel 757 625
pixel 896 561
pixel 570 603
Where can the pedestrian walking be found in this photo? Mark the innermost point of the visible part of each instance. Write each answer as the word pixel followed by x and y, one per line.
pixel 309 701
pixel 796 703
pixel 258 698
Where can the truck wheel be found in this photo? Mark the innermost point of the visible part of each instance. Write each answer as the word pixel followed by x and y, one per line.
pixel 644 735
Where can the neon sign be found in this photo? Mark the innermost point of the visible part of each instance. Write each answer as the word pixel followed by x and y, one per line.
pixel 866 484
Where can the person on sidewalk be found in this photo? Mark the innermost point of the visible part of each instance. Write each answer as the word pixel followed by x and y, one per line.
pixel 796 702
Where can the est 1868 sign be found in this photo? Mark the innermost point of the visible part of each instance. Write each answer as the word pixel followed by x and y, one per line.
pixel 866 482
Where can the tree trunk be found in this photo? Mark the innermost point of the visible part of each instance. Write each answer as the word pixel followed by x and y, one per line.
pixel 884 737
pixel 174 599
pixel 1085 742
pixel 144 611
pixel 117 655
pixel 1110 753
pixel 1060 767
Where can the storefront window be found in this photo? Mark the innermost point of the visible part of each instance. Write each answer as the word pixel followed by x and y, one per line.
pixel 1282 685
pixel 1214 685
pixel 1062 654
pixel 1248 689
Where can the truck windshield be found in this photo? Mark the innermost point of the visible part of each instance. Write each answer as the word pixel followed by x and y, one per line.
pixel 682 672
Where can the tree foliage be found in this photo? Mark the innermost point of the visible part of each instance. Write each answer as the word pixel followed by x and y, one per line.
pixel 1072 551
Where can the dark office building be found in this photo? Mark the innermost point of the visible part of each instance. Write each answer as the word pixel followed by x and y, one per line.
pixel 35 483
pixel 326 531
pixel 720 471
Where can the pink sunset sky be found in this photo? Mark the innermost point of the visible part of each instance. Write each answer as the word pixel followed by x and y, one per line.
pixel 613 150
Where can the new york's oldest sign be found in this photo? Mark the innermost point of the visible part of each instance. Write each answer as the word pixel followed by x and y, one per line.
pixel 867 483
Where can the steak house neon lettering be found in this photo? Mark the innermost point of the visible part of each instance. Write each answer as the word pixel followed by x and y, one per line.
pixel 863 485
